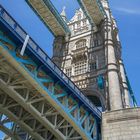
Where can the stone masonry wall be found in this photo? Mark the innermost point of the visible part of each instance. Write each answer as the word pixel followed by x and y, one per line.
pixel 121 124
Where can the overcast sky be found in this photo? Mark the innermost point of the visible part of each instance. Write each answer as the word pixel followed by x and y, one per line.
pixel 127 13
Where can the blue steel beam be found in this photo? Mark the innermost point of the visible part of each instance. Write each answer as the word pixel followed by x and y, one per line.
pixel 48 14
pixel 64 88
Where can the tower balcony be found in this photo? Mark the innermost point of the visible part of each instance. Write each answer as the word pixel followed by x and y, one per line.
pixel 79 54
pixel 81 29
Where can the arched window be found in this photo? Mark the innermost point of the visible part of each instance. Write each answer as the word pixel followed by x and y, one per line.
pixel 81 44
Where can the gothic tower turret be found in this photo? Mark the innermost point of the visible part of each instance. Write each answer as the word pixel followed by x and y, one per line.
pixel 92 59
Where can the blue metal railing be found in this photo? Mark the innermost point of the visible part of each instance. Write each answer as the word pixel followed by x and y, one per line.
pixel 18 31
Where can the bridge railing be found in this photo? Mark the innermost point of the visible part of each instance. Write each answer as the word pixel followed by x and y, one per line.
pixel 21 34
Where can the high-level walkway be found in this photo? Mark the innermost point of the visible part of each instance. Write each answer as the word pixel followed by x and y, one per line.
pixel 93 9
pixel 45 10
pixel 50 16
pixel 36 97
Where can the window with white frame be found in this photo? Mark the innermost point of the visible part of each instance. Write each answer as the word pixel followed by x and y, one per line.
pixel 81 44
pixel 68 71
pixel 80 67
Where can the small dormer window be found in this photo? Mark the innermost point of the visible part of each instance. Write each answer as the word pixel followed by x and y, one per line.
pixel 79 16
pixel 84 23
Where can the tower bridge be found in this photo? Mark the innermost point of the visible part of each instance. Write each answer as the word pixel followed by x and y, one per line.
pixel 82 93
pixel 36 92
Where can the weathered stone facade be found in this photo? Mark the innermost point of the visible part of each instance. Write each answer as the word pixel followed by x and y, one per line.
pixel 83 58
pixel 91 57
pixel 121 124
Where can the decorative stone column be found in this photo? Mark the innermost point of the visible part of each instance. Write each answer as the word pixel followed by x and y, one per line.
pixel 58 46
pixel 124 84
pixel 126 101
pixel 112 68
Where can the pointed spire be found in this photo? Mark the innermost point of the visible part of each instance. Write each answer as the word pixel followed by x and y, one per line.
pixel 63 14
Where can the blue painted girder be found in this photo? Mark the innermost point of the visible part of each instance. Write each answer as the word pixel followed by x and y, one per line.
pixel 68 105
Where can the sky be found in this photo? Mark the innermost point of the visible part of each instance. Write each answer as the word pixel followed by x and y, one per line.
pixel 126 12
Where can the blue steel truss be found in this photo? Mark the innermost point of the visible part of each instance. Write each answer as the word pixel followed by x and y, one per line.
pixel 73 105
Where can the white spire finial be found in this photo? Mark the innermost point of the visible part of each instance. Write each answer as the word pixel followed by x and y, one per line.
pixel 63 13
pixel 64 7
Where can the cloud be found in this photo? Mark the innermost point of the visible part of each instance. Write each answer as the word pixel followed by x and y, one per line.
pixel 128 11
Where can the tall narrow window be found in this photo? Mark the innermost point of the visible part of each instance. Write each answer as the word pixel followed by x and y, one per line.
pixel 79 16
pixel 84 23
pixel 68 72
pixel 78 25
pixel 65 52
pixel 93 66
pixel 96 43
pixel 73 26
pixel 93 62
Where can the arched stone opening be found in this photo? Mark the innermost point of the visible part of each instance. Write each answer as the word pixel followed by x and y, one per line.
pixel 96 98
pixel 96 101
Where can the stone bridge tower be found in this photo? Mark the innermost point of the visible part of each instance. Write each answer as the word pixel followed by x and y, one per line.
pixel 91 57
